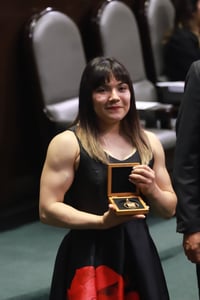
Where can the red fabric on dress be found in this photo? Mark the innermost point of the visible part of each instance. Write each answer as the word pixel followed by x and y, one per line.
pixel 101 283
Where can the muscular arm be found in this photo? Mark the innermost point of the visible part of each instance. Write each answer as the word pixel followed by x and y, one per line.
pixel 155 183
pixel 57 177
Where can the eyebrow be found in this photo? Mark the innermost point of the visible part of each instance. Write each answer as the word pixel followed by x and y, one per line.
pixel 118 82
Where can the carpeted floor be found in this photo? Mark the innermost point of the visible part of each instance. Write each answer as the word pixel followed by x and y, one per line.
pixel 28 254
pixel 180 273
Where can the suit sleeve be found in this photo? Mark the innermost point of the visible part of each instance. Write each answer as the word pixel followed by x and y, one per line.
pixel 186 173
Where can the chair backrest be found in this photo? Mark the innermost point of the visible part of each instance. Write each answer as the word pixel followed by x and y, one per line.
pixel 160 17
pixel 59 59
pixel 119 35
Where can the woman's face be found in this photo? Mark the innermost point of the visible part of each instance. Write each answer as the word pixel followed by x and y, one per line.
pixel 111 101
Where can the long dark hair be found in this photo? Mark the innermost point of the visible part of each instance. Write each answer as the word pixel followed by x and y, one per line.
pixel 97 72
pixel 184 10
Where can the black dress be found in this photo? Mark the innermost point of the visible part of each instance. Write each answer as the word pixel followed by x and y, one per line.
pixel 120 263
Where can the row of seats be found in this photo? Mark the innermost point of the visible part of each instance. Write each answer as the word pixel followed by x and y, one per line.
pixel 57 51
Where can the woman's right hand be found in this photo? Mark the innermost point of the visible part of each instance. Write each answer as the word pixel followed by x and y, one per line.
pixel 111 219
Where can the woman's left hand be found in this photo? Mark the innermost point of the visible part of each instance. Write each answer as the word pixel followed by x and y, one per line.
pixel 144 178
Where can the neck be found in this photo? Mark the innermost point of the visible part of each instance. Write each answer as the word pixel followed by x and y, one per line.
pixel 109 130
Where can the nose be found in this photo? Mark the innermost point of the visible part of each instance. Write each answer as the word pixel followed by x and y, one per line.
pixel 114 95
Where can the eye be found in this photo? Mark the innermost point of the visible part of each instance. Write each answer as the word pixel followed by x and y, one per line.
pixel 123 87
pixel 101 89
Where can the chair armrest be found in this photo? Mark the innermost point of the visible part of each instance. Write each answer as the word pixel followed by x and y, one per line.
pixel 165 113
pixel 151 112
pixel 170 91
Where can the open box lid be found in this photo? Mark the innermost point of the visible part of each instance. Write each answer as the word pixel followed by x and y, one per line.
pixel 118 183
pixel 122 193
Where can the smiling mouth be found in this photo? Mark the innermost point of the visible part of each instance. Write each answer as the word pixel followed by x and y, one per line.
pixel 113 107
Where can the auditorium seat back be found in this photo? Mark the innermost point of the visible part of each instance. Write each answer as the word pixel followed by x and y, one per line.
pixel 160 17
pixel 117 30
pixel 59 59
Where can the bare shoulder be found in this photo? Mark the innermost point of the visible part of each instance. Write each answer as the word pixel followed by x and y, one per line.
pixel 65 138
pixel 152 136
pixel 155 143
pixel 63 147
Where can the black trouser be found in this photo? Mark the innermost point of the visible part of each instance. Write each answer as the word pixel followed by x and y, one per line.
pixel 198 277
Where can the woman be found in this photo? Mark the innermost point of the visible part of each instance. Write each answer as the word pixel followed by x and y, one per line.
pixel 105 256
pixel 182 46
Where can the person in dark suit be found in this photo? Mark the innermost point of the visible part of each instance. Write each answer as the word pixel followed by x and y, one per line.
pixel 186 173
pixel 182 44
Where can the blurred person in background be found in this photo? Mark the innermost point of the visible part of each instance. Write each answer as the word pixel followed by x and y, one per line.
pixel 182 44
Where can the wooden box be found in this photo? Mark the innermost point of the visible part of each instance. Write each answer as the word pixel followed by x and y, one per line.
pixel 122 193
